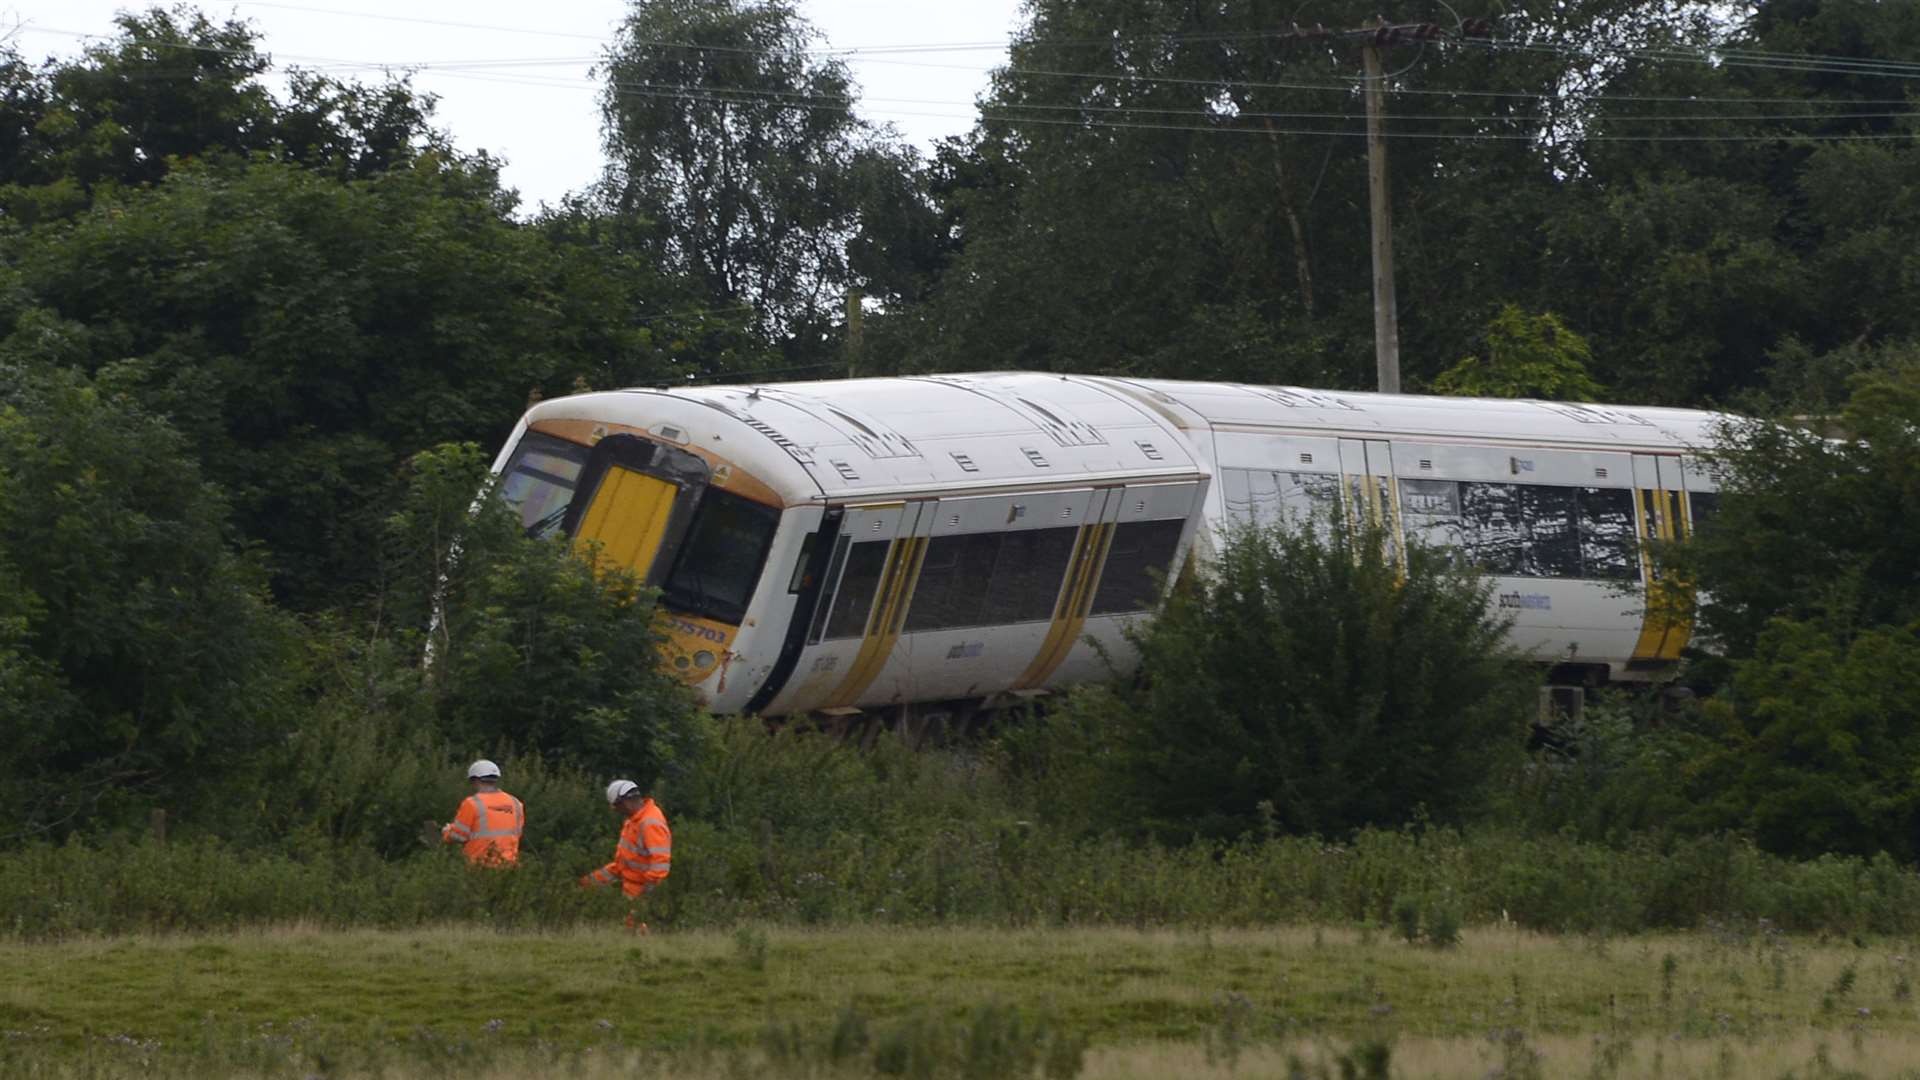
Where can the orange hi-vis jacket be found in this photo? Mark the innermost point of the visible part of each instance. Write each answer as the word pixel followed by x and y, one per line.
pixel 489 825
pixel 644 855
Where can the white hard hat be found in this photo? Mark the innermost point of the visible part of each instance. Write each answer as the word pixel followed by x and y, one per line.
pixel 620 789
pixel 483 770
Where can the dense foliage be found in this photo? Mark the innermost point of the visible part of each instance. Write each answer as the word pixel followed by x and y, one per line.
pixel 1312 679
pixel 254 350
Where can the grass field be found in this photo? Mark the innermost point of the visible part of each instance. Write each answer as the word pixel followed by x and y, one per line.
pixel 781 1002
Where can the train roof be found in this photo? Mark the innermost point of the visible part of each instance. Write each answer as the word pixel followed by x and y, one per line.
pixel 1371 415
pixel 854 438
pixel 857 437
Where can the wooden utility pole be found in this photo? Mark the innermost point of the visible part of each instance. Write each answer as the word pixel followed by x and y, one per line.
pixel 854 313
pixel 1386 319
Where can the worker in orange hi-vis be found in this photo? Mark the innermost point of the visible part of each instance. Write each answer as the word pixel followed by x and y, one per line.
pixel 490 821
pixel 645 853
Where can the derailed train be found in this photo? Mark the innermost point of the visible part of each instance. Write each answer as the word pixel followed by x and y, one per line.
pixel 957 540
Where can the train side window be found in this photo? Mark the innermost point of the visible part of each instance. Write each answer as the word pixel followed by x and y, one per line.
pixel 951 589
pixel 1027 573
pixel 847 617
pixel 1494 534
pixel 1552 544
pixel 824 605
pixel 1252 495
pixel 1609 546
pixel 1141 551
pixel 1431 509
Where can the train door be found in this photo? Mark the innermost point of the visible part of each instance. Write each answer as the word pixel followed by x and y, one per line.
pixel 858 620
pixel 640 497
pixel 1661 511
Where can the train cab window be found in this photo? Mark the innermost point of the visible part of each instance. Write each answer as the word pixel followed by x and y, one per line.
pixel 1137 558
pixel 721 558
pixel 539 480
pixel 859 580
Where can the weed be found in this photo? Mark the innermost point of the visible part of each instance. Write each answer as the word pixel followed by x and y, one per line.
pixel 1443 923
pixel 1843 983
pixel 750 946
pixel 1229 1036
pixel 1406 917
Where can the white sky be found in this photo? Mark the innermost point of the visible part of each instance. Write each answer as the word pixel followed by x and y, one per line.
pixel 531 101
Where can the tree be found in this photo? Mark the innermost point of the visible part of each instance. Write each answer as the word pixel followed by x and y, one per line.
pixel 729 134
pixel 1808 575
pixel 307 333
pixel 141 657
pixel 1812 528
pixel 1526 356
pixel 1310 678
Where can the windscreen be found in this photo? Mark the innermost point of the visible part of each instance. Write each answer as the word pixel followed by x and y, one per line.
pixel 720 558
pixel 539 480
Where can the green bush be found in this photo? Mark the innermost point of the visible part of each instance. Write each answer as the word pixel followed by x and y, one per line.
pixel 1311 670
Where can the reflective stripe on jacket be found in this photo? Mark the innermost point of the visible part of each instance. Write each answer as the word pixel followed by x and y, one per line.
pixel 489 825
pixel 644 855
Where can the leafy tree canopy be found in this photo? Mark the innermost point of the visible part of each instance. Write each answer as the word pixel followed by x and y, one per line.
pixel 139 651
pixel 1524 356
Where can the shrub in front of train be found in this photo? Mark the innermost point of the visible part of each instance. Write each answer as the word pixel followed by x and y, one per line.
pixel 1307 680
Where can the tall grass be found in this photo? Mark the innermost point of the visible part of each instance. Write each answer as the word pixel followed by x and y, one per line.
pixel 1010 875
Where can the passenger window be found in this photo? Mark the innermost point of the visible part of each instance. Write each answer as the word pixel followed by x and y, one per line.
pixel 1552 541
pixel 848 616
pixel 1027 572
pixel 824 604
pixel 1609 549
pixel 951 590
pixel 1140 552
pixel 1432 512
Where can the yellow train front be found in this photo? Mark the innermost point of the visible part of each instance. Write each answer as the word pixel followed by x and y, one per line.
pixel 954 541
pixel 853 546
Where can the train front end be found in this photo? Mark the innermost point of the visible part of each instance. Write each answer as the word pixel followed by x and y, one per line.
pixel 686 499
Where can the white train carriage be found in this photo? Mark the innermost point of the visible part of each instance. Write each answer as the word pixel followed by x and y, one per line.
pixel 856 545
pixel 842 546
pixel 1551 499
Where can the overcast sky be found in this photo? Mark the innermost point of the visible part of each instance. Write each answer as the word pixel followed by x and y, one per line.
pixel 530 99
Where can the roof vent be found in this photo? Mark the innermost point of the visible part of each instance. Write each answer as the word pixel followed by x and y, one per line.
pixel 966 463
pixel 799 452
pixel 1306 459
pixel 1147 448
pixel 1034 456
pixel 845 470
